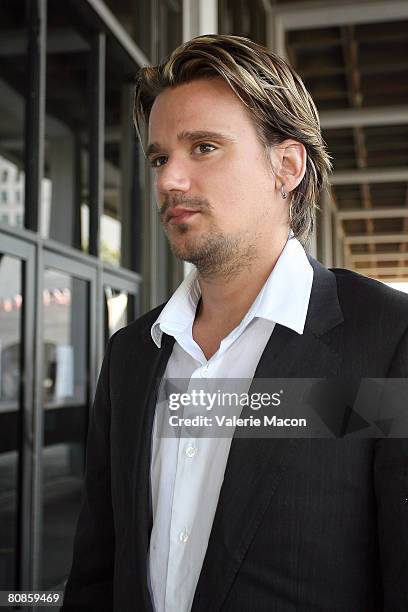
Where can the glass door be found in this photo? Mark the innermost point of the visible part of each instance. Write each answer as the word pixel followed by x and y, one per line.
pixel 121 298
pixel 68 290
pixel 16 393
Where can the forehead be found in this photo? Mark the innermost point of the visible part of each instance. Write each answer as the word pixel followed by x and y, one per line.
pixel 201 104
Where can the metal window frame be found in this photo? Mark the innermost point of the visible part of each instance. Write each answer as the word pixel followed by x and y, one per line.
pixel 49 258
pixel 24 252
pixel 35 112
pixel 108 20
pixel 97 139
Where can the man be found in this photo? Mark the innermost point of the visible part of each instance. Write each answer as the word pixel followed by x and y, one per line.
pixel 172 524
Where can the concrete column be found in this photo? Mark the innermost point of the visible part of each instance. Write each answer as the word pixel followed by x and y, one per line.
pixel 275 34
pixel 62 175
pixel 338 248
pixel 327 229
pixel 312 247
pixel 127 164
pixel 199 17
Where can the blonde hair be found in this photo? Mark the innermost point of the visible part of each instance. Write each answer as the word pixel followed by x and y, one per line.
pixel 275 97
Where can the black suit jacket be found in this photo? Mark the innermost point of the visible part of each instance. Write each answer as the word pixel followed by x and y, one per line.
pixel 301 524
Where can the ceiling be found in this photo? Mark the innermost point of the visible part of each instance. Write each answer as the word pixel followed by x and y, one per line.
pixel 363 67
pixel 357 74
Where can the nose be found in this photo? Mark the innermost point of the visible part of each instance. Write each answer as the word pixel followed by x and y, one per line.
pixel 173 176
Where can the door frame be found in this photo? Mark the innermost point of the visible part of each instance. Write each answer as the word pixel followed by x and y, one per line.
pixel 49 258
pixel 25 252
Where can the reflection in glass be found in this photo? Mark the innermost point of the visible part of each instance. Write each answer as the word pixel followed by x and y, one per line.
pixel 111 221
pixel 65 383
pixel 117 306
pixel 119 309
pixel 121 170
pixel 10 377
pixel 13 79
pixel 66 192
pixel 117 302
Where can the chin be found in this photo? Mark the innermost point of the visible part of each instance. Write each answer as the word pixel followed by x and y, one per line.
pixel 189 255
pixel 183 246
pixel 186 252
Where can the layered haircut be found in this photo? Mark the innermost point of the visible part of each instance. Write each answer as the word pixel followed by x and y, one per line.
pixel 273 94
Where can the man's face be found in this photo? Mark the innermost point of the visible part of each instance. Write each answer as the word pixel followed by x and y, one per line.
pixel 215 189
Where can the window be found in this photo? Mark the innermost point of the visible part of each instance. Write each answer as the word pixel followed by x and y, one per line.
pixel 68 115
pixel 65 401
pixel 10 378
pixel 13 91
pixel 120 223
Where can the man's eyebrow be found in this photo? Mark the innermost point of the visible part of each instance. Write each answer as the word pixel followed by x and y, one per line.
pixel 154 147
pixel 204 135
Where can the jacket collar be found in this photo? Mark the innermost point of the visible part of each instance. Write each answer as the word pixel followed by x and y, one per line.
pixel 324 311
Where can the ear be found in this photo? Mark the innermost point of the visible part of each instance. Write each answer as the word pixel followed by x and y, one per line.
pixel 291 167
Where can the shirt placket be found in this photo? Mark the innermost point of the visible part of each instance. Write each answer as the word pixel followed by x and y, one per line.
pixel 183 508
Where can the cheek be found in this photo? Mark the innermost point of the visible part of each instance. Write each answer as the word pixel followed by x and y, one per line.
pixel 236 188
pixel 225 177
pixel 245 183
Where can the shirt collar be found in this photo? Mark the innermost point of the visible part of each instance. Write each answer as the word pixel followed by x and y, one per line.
pixel 284 298
pixel 179 312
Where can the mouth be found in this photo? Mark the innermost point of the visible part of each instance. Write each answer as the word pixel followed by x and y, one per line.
pixel 180 215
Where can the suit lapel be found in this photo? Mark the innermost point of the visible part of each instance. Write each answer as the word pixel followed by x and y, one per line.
pixel 155 367
pixel 256 467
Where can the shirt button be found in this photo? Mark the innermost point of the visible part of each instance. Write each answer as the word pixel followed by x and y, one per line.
pixel 190 451
pixel 183 537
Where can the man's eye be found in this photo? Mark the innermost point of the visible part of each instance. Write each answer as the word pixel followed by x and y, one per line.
pixel 158 161
pixel 204 147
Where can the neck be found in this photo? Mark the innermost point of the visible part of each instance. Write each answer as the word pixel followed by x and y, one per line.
pixel 226 299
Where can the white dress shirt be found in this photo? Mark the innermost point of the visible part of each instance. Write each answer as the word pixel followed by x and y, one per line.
pixel 187 473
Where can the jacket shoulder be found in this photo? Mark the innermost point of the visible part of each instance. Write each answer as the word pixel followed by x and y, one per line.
pixel 349 282
pixel 371 300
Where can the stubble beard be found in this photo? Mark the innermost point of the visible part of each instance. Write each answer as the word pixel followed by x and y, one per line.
pixel 215 254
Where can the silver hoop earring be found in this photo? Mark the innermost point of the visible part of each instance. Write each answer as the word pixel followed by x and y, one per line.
pixel 283 192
